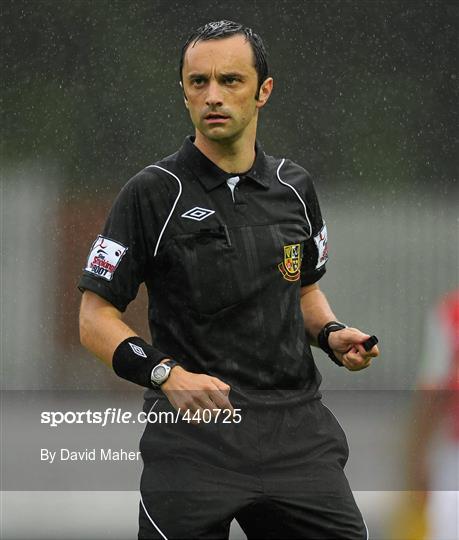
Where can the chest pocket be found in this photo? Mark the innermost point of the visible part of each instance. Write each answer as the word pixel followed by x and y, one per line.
pixel 204 266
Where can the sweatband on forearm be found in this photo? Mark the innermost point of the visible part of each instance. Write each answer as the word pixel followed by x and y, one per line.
pixel 134 359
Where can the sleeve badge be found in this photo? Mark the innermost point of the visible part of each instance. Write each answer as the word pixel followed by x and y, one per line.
pixel 321 240
pixel 105 257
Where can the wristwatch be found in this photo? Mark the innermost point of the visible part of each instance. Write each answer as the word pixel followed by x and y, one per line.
pixel 160 373
pixel 322 339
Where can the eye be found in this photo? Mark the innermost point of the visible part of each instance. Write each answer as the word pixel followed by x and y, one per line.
pixel 231 80
pixel 198 81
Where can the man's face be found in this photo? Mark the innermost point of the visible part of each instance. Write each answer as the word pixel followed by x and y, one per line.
pixel 220 83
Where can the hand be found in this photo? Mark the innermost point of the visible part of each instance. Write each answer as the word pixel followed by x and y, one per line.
pixel 347 347
pixel 196 392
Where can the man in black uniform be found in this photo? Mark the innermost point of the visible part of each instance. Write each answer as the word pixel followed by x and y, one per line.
pixel 230 243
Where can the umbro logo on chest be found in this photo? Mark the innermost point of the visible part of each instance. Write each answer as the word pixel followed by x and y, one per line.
pixel 197 213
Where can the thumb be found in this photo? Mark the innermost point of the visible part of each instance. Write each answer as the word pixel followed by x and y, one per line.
pixel 355 336
pixel 346 339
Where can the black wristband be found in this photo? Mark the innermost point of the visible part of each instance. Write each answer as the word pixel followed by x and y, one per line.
pixel 134 359
pixel 322 339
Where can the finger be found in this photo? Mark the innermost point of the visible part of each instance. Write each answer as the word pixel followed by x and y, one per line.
pixel 189 401
pixel 362 365
pixel 360 349
pixel 220 399
pixel 349 362
pixel 356 365
pixel 346 338
pixel 354 335
pixel 204 402
pixel 177 400
pixel 220 395
pixel 222 386
pixel 374 351
pixel 211 399
pixel 195 411
pixel 201 415
pixel 354 361
pixel 196 416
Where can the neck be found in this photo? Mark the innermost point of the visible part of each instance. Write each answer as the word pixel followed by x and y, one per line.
pixel 230 155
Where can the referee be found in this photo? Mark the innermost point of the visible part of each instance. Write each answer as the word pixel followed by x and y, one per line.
pixel 230 243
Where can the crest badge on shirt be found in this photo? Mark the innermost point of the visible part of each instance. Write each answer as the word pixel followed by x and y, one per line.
pixel 104 257
pixel 290 266
pixel 321 241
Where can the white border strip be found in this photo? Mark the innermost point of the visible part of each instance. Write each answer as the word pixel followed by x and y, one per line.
pixel 173 207
pixel 152 522
pixel 296 193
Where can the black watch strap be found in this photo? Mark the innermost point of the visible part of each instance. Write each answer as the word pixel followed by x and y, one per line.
pixel 322 339
pixel 171 363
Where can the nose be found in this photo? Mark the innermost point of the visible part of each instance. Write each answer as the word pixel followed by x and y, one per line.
pixel 214 97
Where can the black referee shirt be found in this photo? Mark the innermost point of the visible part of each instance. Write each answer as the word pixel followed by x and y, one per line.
pixel 223 257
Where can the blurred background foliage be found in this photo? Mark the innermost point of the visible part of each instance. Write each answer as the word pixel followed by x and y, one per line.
pixel 364 90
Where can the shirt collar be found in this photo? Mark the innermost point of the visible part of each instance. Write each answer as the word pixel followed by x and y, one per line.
pixel 211 176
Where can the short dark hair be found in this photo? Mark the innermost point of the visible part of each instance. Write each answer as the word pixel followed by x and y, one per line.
pixel 224 29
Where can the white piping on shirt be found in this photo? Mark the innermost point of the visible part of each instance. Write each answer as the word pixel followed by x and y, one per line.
pixel 141 500
pixel 296 193
pixel 151 521
pixel 173 207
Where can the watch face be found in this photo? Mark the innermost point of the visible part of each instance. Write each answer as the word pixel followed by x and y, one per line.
pixel 160 372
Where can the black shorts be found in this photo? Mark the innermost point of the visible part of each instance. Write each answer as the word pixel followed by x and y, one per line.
pixel 279 473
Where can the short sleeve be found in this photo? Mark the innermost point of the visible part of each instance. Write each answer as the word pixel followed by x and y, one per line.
pixel 315 250
pixel 115 267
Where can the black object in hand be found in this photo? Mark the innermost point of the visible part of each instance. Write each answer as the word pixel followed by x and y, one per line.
pixel 370 343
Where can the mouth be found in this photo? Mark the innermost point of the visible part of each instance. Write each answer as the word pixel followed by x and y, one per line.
pixel 215 118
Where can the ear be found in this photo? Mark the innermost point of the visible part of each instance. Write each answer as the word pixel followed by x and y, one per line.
pixel 265 91
pixel 185 99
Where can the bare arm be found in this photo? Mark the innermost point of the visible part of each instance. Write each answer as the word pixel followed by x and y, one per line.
pixel 101 327
pixel 346 343
pixel 316 310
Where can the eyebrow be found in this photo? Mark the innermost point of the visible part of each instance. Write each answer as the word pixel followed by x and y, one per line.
pixel 195 75
pixel 233 74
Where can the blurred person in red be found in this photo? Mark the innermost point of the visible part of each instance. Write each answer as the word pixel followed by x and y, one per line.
pixel 433 449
